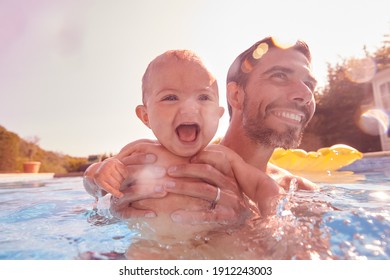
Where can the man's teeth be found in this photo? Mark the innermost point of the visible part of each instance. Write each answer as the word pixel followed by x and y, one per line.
pixel 290 116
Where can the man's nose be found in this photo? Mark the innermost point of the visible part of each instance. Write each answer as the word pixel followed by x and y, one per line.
pixel 301 93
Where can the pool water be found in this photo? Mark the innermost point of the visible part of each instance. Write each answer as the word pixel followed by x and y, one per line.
pixel 349 218
pixel 54 220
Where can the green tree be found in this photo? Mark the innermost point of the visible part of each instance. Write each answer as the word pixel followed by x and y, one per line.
pixel 342 102
pixel 382 55
pixel 14 151
pixel 9 150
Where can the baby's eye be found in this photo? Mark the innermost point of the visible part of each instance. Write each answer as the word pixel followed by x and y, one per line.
pixel 204 97
pixel 170 97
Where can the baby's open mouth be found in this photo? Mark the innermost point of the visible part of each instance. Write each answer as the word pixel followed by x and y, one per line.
pixel 188 132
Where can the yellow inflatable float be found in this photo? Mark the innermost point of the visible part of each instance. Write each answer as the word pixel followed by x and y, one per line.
pixel 325 159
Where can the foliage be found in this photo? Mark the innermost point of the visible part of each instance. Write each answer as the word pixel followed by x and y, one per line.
pixel 14 151
pixel 341 103
pixel 9 150
pixel 75 164
pixel 31 147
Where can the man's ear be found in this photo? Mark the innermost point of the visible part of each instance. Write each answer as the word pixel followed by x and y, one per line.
pixel 234 95
pixel 142 114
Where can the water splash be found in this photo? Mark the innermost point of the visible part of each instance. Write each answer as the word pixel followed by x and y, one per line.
pixel 100 215
pixel 284 215
pixel 283 208
pixel 297 231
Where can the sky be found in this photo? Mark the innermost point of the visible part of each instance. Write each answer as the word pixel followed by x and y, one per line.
pixel 70 70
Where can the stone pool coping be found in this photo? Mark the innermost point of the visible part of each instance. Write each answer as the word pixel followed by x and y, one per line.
pixel 374 161
pixel 23 177
pixel 369 162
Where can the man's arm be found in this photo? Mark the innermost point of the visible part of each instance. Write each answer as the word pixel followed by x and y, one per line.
pixel 283 178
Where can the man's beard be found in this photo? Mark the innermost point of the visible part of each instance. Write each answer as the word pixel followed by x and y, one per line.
pixel 257 131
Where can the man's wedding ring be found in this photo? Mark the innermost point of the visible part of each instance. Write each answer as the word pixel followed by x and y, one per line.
pixel 216 199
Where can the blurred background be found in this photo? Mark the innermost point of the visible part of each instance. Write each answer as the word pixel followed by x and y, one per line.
pixel 70 70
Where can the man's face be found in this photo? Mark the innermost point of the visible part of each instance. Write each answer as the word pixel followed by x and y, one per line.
pixel 279 99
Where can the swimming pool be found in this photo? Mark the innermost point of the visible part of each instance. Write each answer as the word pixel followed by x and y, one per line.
pixel 56 219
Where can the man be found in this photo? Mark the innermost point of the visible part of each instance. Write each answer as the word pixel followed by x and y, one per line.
pixel 270 101
pixel 270 97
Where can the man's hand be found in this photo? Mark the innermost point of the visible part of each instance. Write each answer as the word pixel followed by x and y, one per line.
pixel 214 171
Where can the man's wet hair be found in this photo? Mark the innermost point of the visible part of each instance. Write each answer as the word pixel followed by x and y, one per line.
pixel 240 69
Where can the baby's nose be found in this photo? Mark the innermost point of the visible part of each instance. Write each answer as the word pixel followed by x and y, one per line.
pixel 189 107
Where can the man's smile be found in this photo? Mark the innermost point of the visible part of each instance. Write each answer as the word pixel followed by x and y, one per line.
pixel 292 117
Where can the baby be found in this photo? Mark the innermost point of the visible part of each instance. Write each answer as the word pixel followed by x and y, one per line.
pixel 181 107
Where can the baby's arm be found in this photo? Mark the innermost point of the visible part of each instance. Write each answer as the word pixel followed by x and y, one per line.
pixel 105 177
pixel 108 176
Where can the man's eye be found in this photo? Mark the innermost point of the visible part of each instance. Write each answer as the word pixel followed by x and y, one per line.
pixel 279 75
pixel 310 85
pixel 169 98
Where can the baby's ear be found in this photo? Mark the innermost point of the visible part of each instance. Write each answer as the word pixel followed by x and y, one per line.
pixel 142 114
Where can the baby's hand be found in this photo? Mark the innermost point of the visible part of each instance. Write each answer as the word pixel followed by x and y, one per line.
pixel 110 176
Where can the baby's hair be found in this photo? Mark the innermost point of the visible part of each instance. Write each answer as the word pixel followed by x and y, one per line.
pixel 179 55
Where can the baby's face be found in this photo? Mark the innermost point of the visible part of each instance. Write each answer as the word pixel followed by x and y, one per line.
pixel 182 107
